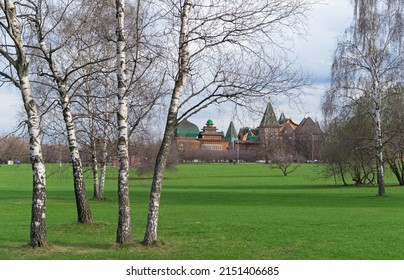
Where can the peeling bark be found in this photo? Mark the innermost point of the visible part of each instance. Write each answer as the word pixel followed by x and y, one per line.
pixel 104 155
pixel 103 174
pixel 183 70
pixel 38 236
pixel 83 208
pixel 124 219
pixel 151 236
pixel 94 167
pixel 379 148
pixel 93 149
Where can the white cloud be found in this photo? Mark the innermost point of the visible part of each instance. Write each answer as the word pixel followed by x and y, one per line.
pixel 10 102
pixel 326 22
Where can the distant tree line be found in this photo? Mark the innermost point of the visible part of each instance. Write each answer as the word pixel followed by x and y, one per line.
pixel 14 148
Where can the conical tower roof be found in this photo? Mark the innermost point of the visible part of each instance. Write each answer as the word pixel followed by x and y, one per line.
pixel 231 134
pixel 269 118
pixel 282 119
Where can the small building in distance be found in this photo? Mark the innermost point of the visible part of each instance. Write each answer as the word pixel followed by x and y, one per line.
pixel 189 138
pixel 211 139
pixel 303 138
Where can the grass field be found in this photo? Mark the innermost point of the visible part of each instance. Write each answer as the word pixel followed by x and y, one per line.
pixel 211 211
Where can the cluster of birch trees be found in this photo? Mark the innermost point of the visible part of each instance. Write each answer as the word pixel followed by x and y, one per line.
pixel 100 68
pixel 363 108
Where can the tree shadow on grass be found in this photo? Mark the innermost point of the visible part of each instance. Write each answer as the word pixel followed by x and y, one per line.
pixel 67 250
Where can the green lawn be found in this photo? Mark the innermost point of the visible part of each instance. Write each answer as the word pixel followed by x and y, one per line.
pixel 211 211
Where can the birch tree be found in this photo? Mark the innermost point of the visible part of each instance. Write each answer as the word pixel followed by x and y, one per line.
pixel 139 86
pixel 93 110
pixel 100 132
pixel 60 45
pixel 99 193
pixel 92 104
pixel 225 50
pixel 90 130
pixel 14 59
pixel 95 130
pixel 368 61
pixel 124 218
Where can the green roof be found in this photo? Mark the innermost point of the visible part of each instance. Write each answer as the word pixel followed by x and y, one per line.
pixel 187 129
pixel 269 118
pixel 248 134
pixel 231 134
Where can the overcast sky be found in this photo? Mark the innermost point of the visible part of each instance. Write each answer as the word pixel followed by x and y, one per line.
pixel 325 24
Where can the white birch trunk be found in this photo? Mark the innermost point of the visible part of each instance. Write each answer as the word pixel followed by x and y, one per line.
pixel 83 209
pixel 183 69
pixel 103 172
pixel 93 148
pixel 377 100
pixel 124 218
pixel 94 167
pixel 379 144
pixel 377 97
pixel 104 153
pixel 38 236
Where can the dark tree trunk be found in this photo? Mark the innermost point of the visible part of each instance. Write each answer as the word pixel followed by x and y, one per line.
pixel 83 208
pixel 397 172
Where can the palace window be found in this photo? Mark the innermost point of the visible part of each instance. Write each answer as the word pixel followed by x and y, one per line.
pixel 211 147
